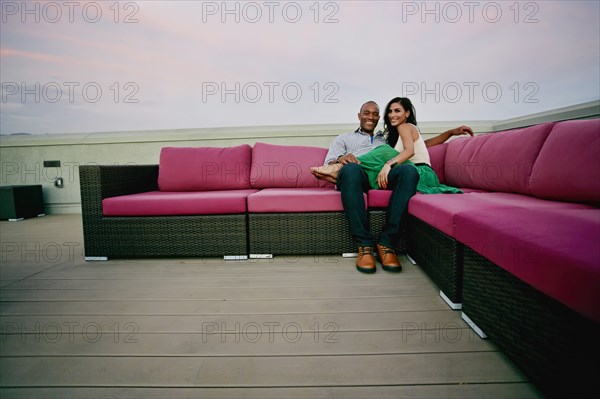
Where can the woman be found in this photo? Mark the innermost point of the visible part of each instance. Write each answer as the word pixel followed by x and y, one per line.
pixel 405 144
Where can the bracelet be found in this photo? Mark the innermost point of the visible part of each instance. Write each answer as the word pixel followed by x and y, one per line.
pixel 392 163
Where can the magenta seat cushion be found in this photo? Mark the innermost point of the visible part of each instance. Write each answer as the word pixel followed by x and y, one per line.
pixel 274 200
pixel 165 203
pixel 204 168
pixel 286 166
pixel 440 210
pixel 568 166
pixel 496 161
pixel 554 250
pixel 379 198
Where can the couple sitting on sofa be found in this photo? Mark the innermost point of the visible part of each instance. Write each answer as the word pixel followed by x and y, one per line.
pixel 396 159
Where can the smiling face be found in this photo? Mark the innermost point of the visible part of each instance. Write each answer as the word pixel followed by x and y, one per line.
pixel 397 115
pixel 368 117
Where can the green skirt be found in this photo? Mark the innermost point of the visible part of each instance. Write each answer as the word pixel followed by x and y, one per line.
pixel 429 183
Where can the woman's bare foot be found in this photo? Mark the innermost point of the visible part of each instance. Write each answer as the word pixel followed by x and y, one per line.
pixel 328 172
pixel 326 178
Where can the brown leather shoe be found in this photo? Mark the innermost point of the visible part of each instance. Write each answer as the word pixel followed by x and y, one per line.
pixel 365 263
pixel 388 259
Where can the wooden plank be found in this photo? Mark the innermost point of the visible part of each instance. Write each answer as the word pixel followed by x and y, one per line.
pixel 350 321
pixel 271 371
pixel 221 305
pixel 192 293
pixel 18 271
pixel 4 283
pixel 443 391
pixel 222 282
pixel 123 340
pixel 315 265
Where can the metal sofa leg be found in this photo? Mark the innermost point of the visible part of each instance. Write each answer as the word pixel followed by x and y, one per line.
pixel 235 257
pixel 261 256
pixel 453 305
pixel 472 324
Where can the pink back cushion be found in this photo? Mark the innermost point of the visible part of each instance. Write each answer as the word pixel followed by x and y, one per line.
pixel 204 168
pixel 568 167
pixel 497 161
pixel 286 166
pixel 437 156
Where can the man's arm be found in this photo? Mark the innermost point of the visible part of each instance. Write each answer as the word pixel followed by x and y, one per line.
pixel 336 150
pixel 443 137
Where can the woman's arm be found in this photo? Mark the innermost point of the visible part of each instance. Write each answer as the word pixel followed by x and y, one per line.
pixel 443 137
pixel 407 135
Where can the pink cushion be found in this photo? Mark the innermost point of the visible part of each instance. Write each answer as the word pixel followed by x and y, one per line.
pixel 204 168
pixel 273 200
pixel 497 161
pixel 286 166
pixel 379 198
pixel 165 203
pixel 554 250
pixel 440 210
pixel 437 156
pixel 568 166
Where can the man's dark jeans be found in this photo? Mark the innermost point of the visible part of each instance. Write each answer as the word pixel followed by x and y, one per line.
pixel 352 182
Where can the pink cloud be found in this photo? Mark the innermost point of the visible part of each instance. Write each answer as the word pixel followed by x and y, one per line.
pixel 9 52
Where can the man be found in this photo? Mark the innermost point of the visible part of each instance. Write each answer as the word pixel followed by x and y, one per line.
pixel 352 182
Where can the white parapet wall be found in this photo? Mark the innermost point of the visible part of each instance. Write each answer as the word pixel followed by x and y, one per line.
pixel 22 156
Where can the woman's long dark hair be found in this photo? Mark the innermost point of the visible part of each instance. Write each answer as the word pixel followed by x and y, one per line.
pixel 392 131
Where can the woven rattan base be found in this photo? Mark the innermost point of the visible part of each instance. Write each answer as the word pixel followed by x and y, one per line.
pixel 377 221
pixel 557 348
pixel 299 233
pixel 439 255
pixel 174 236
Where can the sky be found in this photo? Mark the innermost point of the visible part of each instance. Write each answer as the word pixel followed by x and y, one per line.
pixel 102 66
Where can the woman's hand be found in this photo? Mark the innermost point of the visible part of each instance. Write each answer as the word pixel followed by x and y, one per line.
pixel 457 131
pixel 382 177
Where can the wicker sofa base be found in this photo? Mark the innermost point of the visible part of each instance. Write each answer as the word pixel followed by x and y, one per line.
pixel 161 236
pixel 557 348
pixel 439 256
pixel 150 236
pixel 299 234
pixel 309 233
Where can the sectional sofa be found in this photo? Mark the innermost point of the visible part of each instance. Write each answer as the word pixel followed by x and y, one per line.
pixel 518 252
pixel 234 202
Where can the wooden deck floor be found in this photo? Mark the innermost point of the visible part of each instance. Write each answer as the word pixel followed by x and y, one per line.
pixel 289 327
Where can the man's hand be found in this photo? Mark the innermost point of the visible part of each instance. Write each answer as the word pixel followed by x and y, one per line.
pixel 457 131
pixel 348 158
